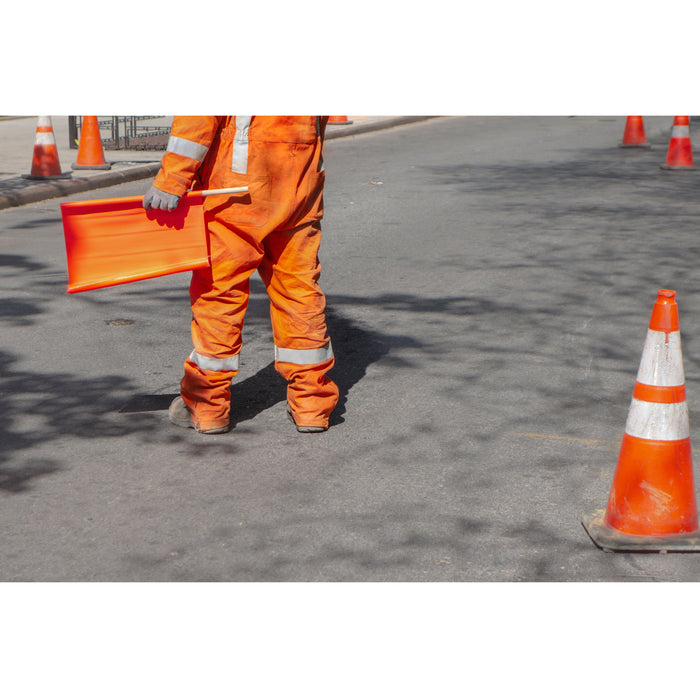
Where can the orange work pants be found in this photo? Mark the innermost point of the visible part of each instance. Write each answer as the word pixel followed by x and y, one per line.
pixel 288 264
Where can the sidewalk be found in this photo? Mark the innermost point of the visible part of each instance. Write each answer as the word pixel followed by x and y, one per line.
pixel 17 137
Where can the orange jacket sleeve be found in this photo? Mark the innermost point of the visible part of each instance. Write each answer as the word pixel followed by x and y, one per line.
pixel 190 138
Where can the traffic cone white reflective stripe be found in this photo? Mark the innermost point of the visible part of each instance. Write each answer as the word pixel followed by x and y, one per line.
pixel 44 132
pixel 680 131
pixel 662 360
pixel 658 421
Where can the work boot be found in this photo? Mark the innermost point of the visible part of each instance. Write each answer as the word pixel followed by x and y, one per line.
pixel 305 428
pixel 311 396
pixel 180 414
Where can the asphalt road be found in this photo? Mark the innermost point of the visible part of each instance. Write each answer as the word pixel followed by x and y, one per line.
pixel 489 282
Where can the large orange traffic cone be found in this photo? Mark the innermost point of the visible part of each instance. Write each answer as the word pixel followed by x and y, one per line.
pixel 680 151
pixel 651 506
pixel 339 120
pixel 91 155
pixel 45 163
pixel 634 136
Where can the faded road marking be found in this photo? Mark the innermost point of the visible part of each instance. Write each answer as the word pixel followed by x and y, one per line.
pixel 605 444
pixel 585 441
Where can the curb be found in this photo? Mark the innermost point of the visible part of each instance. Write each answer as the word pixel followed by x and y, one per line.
pixel 50 190
pixel 334 132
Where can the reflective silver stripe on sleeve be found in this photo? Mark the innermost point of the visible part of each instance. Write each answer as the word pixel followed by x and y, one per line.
pixel 213 363
pixel 189 149
pixel 304 357
pixel 239 162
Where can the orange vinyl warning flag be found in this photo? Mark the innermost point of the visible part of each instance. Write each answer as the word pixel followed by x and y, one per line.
pixel 114 241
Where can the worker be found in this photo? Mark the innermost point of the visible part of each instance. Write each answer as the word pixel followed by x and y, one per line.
pixel 274 228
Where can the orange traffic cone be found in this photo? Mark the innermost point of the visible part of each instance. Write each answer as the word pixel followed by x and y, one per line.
pixel 339 120
pixel 680 151
pixel 91 155
pixel 634 136
pixel 45 163
pixel 651 506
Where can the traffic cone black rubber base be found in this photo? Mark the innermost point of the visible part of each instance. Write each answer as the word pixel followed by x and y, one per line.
pixel 105 166
pixel 610 540
pixel 62 176
pixel 678 167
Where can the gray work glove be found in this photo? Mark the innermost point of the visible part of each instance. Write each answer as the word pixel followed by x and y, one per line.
pixel 157 199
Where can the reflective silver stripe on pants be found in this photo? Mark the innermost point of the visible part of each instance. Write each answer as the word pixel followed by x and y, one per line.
pixel 215 364
pixel 189 149
pixel 239 162
pixel 304 357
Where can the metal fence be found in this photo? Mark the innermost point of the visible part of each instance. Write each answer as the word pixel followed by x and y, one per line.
pixel 126 133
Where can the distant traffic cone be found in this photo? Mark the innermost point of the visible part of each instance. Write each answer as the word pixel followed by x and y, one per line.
pixel 91 155
pixel 651 506
pixel 680 151
pixel 45 163
pixel 339 120
pixel 634 136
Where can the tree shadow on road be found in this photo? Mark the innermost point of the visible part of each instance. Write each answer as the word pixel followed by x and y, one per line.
pixel 355 349
pixel 44 407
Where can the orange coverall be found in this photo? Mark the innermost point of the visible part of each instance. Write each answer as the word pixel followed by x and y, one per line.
pixel 274 228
